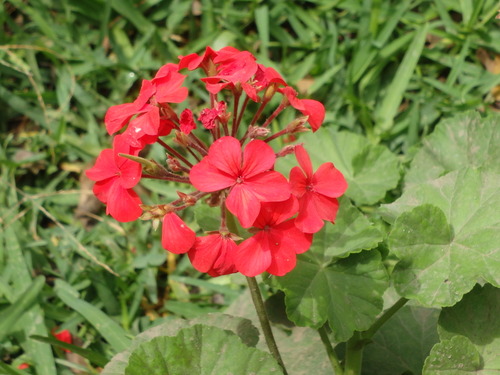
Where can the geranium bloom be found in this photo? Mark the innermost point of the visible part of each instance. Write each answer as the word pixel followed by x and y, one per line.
pixel 317 192
pixel 249 176
pixel 214 254
pixel 115 177
pixel 274 247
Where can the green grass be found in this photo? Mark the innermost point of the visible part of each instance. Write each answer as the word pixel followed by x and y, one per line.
pixel 387 69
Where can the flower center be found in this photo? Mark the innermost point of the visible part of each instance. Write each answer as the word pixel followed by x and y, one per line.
pixel 239 180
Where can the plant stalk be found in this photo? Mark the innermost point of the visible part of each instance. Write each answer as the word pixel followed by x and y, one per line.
pixel 332 356
pixel 264 321
pixel 354 355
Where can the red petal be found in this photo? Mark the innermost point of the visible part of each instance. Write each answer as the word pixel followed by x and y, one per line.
pixel 148 122
pixel 146 92
pixel 298 182
pixel 205 177
pixel 274 213
pixel 243 203
pixel 225 154
pixel 329 181
pixel 325 206
pixel 123 204
pixel 204 252
pixel 104 166
pixel 258 157
pixel 316 112
pixel 118 115
pixel 283 258
pixel 101 189
pixel 269 186
pixel 293 238
pixel 308 220
pixel 213 254
pixel 253 255
pixel 176 236
pixel 304 160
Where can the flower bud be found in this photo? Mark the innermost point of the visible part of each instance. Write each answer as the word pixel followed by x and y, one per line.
pixel 297 125
pixel 256 132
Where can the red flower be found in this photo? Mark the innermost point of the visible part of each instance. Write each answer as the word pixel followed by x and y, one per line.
pixel 277 241
pixel 23 366
pixel 176 236
pixel 316 192
pixel 64 336
pixel 308 107
pixel 214 254
pixel 249 176
pixel 115 177
pixel 186 121
pixel 208 116
pixel 233 67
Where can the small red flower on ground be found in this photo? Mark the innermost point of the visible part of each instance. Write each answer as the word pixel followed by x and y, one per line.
pixel 23 366
pixel 64 336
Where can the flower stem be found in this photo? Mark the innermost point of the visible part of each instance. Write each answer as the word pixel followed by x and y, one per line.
pixel 332 356
pixel 264 321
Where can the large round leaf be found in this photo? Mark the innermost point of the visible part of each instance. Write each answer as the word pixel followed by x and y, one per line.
pixel 449 243
pixel 403 343
pixel 347 294
pixel 464 141
pixel 200 350
pixel 476 317
pixel 240 326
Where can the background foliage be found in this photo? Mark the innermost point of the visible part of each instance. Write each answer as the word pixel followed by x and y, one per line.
pixel 386 70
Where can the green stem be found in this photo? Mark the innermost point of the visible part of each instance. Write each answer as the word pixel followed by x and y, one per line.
pixel 354 355
pixel 264 321
pixel 367 335
pixel 332 356
pixel 356 344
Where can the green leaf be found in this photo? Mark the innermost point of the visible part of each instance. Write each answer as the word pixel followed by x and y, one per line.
pixel 107 327
pixel 403 343
pixel 248 334
pixel 10 315
pixel 351 233
pixel 200 350
pixel 297 356
pixel 347 294
pixel 457 356
pixel 448 244
pixel 463 141
pixel 476 317
pixel 370 170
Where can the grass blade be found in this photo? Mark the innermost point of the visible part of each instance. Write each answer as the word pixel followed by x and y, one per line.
pixel 10 315
pixel 384 117
pixel 92 356
pixel 107 327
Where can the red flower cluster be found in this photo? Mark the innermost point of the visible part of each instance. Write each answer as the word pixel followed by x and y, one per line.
pixel 230 164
